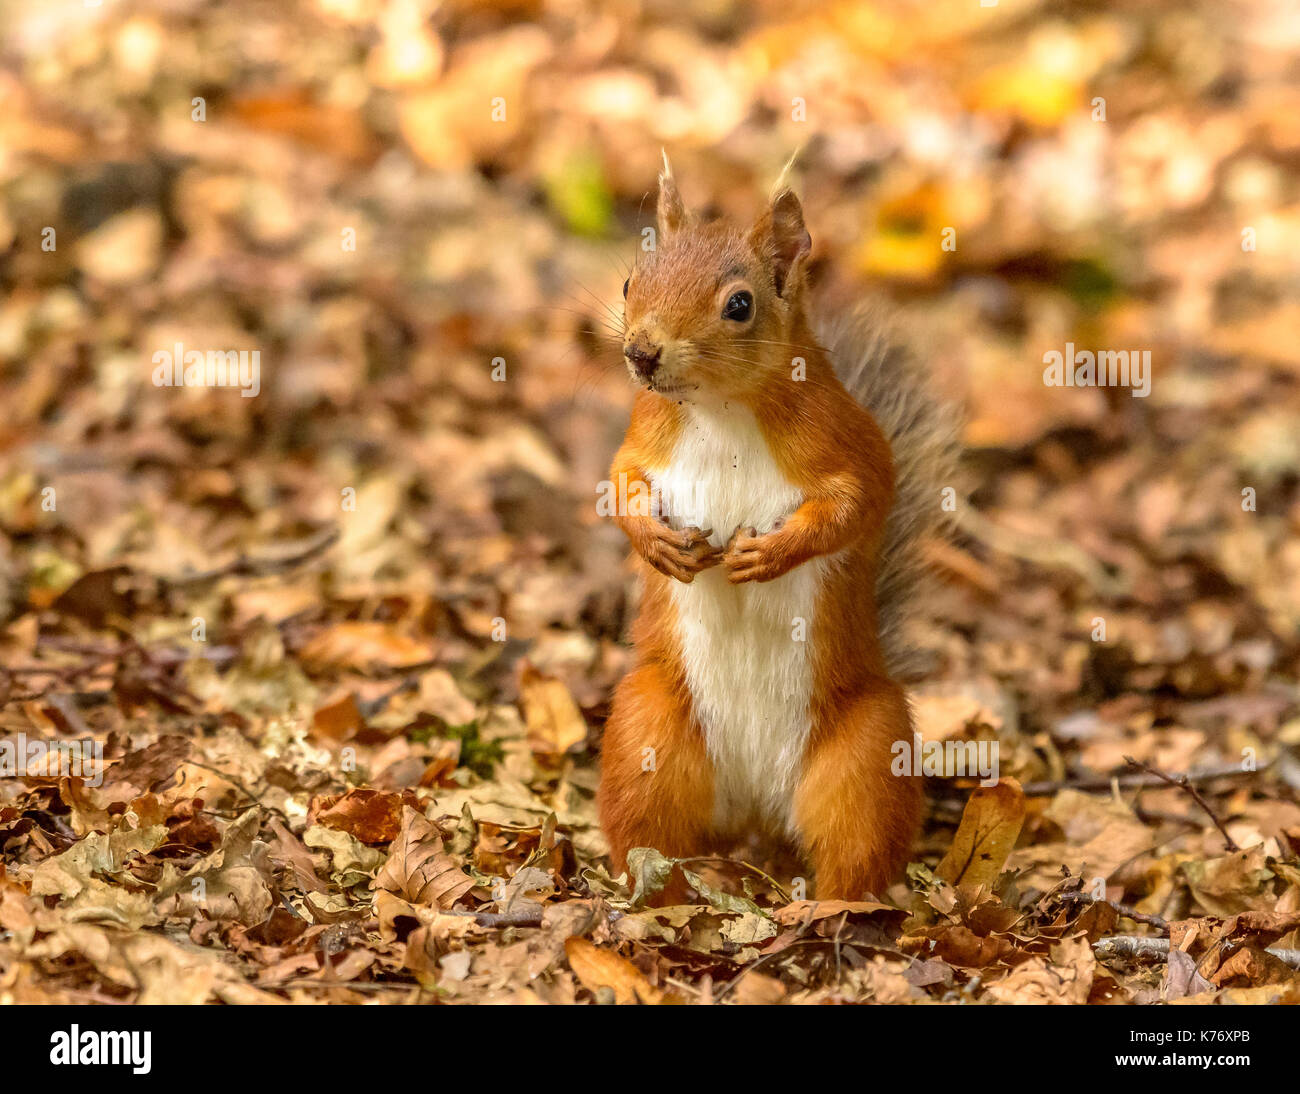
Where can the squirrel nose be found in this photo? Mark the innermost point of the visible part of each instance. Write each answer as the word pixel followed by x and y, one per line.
pixel 645 359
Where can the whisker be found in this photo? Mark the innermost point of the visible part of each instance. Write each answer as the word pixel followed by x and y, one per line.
pixel 594 300
pixel 600 303
pixel 774 342
pixel 596 328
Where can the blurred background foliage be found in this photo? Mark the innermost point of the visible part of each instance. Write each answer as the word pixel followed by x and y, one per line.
pixel 324 181
pixel 205 167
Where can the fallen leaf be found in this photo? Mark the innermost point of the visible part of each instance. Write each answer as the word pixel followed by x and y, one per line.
pixel 227 884
pixel 363 646
pixel 990 825
pixel 603 970
pixel 1064 978
pixel 418 868
pixel 555 724
pixel 338 720
pixel 372 816
pixel 76 877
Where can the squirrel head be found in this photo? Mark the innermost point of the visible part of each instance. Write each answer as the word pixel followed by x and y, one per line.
pixel 714 311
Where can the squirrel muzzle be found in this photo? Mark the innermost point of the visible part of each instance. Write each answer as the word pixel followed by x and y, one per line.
pixel 643 357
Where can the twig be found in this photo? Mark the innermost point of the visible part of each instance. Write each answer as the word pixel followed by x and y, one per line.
pixel 241 788
pixel 372 707
pixel 1184 783
pixel 246 566
pixel 519 917
pixel 763 959
pixel 343 985
pixel 1130 945
pixel 1096 781
pixel 1125 910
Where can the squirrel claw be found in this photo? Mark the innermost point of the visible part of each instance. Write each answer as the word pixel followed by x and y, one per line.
pixel 680 554
pixel 755 558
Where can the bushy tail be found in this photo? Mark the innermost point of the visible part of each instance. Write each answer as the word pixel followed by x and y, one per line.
pixel 888 379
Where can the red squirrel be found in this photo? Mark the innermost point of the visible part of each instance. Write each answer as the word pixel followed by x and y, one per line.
pixel 779 558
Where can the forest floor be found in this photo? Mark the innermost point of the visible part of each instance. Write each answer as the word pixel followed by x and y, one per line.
pixel 348 645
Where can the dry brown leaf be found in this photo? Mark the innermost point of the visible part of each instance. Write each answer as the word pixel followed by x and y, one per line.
pixel 372 816
pixel 228 883
pixel 798 912
pixel 1065 978
pixel 1252 967
pixel 339 719
pixel 363 646
pixel 599 968
pixel 990 825
pixel 957 944
pixel 555 724
pixel 287 850
pixel 755 988
pixel 418 868
pixel 76 877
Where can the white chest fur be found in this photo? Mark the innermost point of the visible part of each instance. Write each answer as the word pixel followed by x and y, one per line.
pixel 745 647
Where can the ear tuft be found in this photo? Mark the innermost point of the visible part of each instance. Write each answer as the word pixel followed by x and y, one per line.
pixel 671 212
pixel 783 179
pixel 784 237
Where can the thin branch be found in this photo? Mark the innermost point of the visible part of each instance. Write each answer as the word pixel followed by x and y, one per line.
pixel 247 566
pixel 518 917
pixel 342 985
pixel 763 959
pixel 1130 945
pixel 1185 784
pixel 1127 911
pixel 1087 780
pixel 240 787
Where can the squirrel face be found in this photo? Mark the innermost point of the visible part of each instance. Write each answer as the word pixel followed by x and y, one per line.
pixel 711 313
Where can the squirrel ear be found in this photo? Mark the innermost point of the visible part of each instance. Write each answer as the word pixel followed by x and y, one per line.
pixel 671 213
pixel 781 236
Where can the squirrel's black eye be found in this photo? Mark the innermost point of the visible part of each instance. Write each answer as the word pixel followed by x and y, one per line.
pixel 740 306
pixel 625 285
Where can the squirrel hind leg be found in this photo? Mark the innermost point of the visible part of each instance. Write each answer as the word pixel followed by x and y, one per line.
pixel 656 778
pixel 855 818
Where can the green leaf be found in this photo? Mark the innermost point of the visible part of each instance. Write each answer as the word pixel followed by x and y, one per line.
pixel 720 899
pixel 577 191
pixel 650 870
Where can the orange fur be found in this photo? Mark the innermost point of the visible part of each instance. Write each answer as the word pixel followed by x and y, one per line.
pixel 853 819
pixel 656 779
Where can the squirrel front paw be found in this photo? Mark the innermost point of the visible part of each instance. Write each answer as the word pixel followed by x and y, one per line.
pixel 680 554
pixel 751 557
